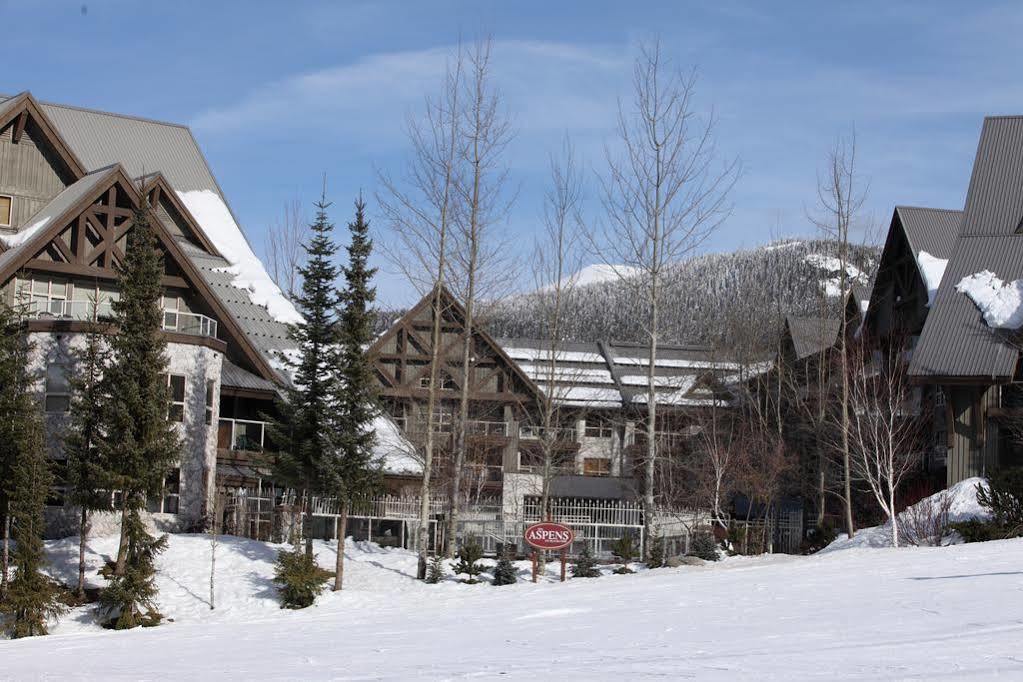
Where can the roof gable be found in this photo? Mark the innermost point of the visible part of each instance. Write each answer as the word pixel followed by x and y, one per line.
pixel 23 110
pixel 994 201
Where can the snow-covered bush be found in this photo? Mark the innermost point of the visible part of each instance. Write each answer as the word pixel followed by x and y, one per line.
pixel 435 571
pixel 927 524
pixel 703 546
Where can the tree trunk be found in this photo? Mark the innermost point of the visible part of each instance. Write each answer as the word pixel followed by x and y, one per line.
pixel 423 538
pixel 122 547
pixel 307 526
pixel 342 531
pixel 892 516
pixel 5 563
pixel 83 532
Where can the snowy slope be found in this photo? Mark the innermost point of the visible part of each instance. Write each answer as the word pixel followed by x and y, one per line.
pixel 861 614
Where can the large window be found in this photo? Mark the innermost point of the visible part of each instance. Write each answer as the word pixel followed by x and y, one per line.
pixel 211 386
pixel 176 393
pixel 167 502
pixel 58 389
pixel 50 297
pixel 596 466
pixel 6 204
pixel 599 428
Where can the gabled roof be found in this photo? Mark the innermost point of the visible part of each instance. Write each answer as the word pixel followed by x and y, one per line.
pixel 25 105
pixel 955 342
pixel 933 230
pixel 811 335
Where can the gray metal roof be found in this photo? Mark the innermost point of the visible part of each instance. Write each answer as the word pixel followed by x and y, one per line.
pixel 234 376
pixel 955 341
pixel 811 335
pixel 933 230
pixel 994 202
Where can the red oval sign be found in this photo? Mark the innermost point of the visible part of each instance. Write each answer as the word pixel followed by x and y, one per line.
pixel 549 535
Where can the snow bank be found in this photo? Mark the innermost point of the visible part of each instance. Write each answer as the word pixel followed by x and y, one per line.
pixel 932 269
pixel 217 222
pixel 25 233
pixel 1000 303
pixel 393 450
pixel 963 507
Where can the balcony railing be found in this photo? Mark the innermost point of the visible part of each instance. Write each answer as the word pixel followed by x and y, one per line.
pixel 554 434
pixel 193 324
pixel 241 434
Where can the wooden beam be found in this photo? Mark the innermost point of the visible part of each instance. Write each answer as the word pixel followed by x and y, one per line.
pixel 19 126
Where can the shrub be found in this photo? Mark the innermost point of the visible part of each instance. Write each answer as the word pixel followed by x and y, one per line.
pixel 1004 497
pixel 504 573
pixel 130 599
pixel 703 546
pixel 975 530
pixel 624 548
pixel 469 556
pixel 435 572
pixel 299 579
pixel 585 565
pixel 820 537
pixel 655 557
pixel 925 524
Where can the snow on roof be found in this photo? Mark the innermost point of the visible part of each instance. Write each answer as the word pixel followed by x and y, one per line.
pixel 395 453
pixel 683 382
pixel 675 362
pixel 249 274
pixel 540 354
pixel 25 233
pixel 585 396
pixel 1000 303
pixel 932 269
pixel 563 373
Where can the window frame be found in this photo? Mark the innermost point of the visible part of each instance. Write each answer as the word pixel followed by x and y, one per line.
pixel 211 386
pixel 10 211
pixel 65 395
pixel 605 469
pixel 169 501
pixel 171 402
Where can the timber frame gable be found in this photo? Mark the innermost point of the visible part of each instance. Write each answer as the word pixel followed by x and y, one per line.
pixel 400 358
pixel 161 195
pixel 86 239
pixel 23 110
pixel 899 298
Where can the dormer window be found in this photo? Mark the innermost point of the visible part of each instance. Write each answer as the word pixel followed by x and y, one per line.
pixel 6 206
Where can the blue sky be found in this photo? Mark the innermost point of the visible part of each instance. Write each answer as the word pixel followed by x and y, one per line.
pixel 280 93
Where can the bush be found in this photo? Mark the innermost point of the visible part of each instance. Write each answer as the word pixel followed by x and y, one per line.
pixel 655 557
pixel 703 546
pixel 505 573
pixel 978 531
pixel 585 565
pixel 469 556
pixel 130 599
pixel 1004 497
pixel 299 579
pixel 820 537
pixel 925 524
pixel 435 572
pixel 624 548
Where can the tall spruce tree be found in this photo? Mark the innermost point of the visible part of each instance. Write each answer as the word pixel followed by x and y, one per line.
pixel 349 471
pixel 86 476
pixel 32 598
pixel 305 428
pixel 137 441
pixel 12 356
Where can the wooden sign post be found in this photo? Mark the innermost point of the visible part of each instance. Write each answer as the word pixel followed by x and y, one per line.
pixel 549 536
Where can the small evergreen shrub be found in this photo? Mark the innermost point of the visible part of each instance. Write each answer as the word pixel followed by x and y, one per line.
pixel 299 579
pixel 818 538
pixel 585 565
pixel 1003 497
pixel 130 599
pixel 655 557
pixel 435 571
pixel 975 530
pixel 469 556
pixel 624 549
pixel 703 546
pixel 504 572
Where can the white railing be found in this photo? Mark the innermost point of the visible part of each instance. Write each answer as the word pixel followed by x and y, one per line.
pixel 553 433
pixel 245 434
pixel 193 324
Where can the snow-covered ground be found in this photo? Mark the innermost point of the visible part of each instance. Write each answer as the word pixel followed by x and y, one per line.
pixel 864 613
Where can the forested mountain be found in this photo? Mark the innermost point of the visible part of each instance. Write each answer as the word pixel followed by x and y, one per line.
pixel 706 298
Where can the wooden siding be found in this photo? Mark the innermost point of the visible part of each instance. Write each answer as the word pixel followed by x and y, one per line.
pixel 27 174
pixel 974 440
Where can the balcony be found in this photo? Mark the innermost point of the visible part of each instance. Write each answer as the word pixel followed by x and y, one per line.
pixel 192 324
pixel 553 434
pixel 241 434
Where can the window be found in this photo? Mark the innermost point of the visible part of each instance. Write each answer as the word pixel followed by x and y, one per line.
pixel 424 382
pixel 58 389
pixel 211 386
pixel 598 429
pixel 176 393
pixel 171 307
pixel 6 203
pixel 49 298
pixel 596 466
pixel 167 502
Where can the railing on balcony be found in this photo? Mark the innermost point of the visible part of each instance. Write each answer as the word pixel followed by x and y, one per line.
pixel 482 427
pixel 241 434
pixel 552 434
pixel 473 427
pixel 193 324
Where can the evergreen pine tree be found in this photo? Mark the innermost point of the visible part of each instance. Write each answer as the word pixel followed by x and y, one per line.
pixel 656 557
pixel 469 555
pixel 504 572
pixel 130 599
pixel 585 565
pixel 13 356
pixel 299 578
pixel 625 549
pixel 435 573
pixel 31 599
pixel 86 477
pixel 349 471
pixel 137 441
pixel 305 426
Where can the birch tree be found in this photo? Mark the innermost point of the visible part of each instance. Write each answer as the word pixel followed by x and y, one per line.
pixel 664 193
pixel 482 204
pixel 283 251
pixel 420 209
pixel 840 197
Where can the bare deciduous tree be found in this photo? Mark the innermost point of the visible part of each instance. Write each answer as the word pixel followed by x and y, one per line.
pixel 283 249
pixel 664 194
pixel 421 210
